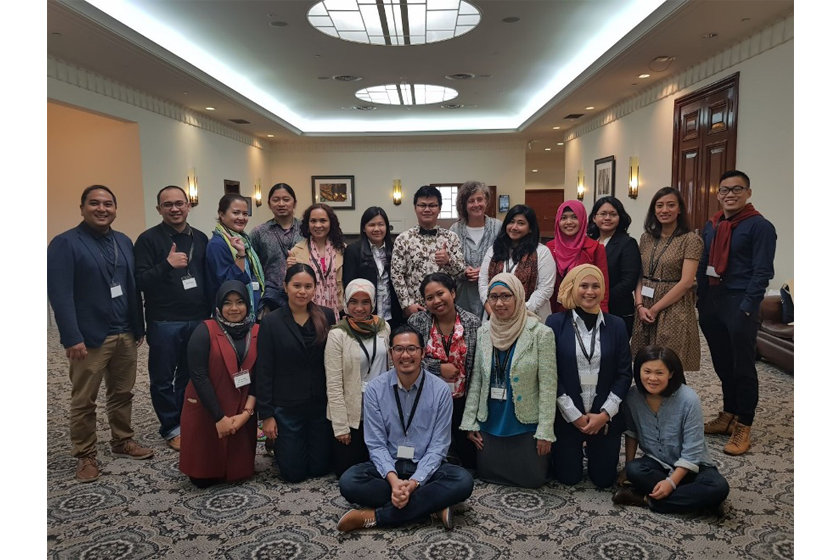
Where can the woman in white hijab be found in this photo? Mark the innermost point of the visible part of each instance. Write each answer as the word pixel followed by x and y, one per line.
pixel 509 412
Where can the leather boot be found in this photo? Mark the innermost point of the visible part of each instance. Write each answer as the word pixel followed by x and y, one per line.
pixel 739 443
pixel 723 424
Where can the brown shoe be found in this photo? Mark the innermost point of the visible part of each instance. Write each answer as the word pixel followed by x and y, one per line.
pixel 357 519
pixel 87 469
pixel 174 443
pixel 131 449
pixel 629 497
pixel 723 424
pixel 445 516
pixel 739 443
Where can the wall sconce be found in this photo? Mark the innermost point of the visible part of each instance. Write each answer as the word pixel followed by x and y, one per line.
pixel 396 194
pixel 580 185
pixel 633 190
pixel 258 193
pixel 192 187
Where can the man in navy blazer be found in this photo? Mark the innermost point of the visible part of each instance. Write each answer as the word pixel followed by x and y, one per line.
pixel 90 283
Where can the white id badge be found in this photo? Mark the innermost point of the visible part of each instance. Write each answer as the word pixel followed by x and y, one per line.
pixel 647 291
pixel 710 271
pixel 364 386
pixel 498 393
pixel 255 286
pixel 451 386
pixel 589 379
pixel 242 378
pixel 116 291
pixel 405 452
pixel 189 282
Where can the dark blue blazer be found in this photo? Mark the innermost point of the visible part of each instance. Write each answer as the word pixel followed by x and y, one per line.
pixel 616 373
pixel 79 287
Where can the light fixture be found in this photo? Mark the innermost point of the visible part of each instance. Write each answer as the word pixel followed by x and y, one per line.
pixel 555 128
pixel 589 108
pixel 210 108
pixel 548 149
pixel 559 143
pixel 258 193
pixel 192 187
pixel 643 76
pixel 534 170
pixel 396 193
pixel 633 189
pixel 270 135
pixel 406 94
pixel 394 23
pixel 580 185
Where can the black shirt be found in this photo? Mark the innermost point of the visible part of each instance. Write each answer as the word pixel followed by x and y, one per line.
pixel 118 320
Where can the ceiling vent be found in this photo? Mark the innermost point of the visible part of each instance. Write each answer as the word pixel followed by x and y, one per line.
pixel 364 108
pixel 460 76
pixel 572 116
pixel 346 78
pixel 452 106
pixel 239 121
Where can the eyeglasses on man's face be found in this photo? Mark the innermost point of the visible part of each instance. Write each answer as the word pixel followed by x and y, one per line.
pixel 496 297
pixel 403 349
pixel 424 206
pixel 734 190
pixel 176 204
pixel 603 215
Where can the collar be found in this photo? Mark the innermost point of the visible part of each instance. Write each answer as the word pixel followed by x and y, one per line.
pixel 600 320
pixel 395 380
pixel 273 222
pixel 374 248
pixel 423 231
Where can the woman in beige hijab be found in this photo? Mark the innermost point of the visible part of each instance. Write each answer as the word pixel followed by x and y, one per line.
pixel 510 400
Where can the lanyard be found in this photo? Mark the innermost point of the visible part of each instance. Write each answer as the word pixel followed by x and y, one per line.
pixel 284 239
pixel 447 342
pixel 509 265
pixel 317 266
pixel 591 353
pixel 116 259
pixel 414 406
pixel 654 264
pixel 247 346
pixel 364 349
pixel 501 367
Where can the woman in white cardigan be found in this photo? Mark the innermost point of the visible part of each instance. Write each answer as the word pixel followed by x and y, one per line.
pixel 356 352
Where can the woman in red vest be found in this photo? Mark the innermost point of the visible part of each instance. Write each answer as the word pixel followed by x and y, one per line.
pixel 218 428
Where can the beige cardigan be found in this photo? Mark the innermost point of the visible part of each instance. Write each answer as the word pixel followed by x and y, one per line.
pixel 343 364
pixel 301 254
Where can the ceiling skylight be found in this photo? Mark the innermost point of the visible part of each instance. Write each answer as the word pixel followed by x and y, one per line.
pixel 394 22
pixel 406 94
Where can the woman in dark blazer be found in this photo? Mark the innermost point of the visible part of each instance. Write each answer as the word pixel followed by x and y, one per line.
pixel 370 258
pixel 589 395
pixel 608 224
pixel 291 380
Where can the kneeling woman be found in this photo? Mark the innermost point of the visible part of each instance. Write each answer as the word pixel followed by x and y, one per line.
pixel 594 375
pixel 510 402
pixel 291 383
pixel 217 423
pixel 676 474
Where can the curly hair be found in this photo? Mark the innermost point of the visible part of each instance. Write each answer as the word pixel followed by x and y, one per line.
pixel 465 191
pixel 335 235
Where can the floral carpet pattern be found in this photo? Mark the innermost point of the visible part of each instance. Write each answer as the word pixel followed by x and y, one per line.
pixel 148 509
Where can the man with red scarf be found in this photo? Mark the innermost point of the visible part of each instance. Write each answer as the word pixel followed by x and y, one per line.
pixel 736 267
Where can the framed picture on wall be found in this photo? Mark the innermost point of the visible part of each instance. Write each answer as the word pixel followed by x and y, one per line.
pixel 339 191
pixel 250 206
pixel 604 177
pixel 504 202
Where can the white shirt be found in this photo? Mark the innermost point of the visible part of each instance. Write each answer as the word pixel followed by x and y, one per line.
pixel 476 233
pixel 380 362
pixel 546 274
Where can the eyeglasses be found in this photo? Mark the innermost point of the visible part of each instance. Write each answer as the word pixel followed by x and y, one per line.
pixel 606 215
pixel 403 349
pixel 176 204
pixel 734 190
pixel 428 206
pixel 496 297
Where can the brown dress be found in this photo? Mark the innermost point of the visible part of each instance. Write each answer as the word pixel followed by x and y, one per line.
pixel 676 325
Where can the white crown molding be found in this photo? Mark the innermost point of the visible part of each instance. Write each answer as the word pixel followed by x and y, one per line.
pixel 399 146
pixel 768 38
pixel 80 77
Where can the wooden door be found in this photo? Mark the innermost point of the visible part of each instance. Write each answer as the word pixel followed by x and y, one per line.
pixel 491 204
pixel 545 203
pixel 705 131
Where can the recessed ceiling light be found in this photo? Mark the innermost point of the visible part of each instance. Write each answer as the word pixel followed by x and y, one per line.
pixel 589 108
pixel 460 76
pixel 382 23
pixel 406 94
pixel 708 35
pixel 548 149
pixel 644 76
pixel 555 128
pixel 270 135
pixel 664 58
pixel 451 106
pixel 559 143
pixel 364 108
pixel 533 171
pixel 210 108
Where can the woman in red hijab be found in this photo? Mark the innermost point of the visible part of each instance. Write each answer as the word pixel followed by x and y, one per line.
pixel 571 247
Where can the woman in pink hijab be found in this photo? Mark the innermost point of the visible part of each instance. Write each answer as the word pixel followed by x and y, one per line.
pixel 571 247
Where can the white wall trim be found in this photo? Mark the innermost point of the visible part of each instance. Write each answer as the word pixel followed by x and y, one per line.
pixel 80 77
pixel 770 37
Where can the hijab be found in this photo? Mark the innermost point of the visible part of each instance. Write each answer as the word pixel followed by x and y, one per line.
pixel 504 332
pixel 235 330
pixel 570 284
pixel 360 328
pixel 566 249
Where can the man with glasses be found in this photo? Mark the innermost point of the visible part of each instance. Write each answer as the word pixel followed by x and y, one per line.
pixel 422 250
pixel 407 417
pixel 170 273
pixel 733 274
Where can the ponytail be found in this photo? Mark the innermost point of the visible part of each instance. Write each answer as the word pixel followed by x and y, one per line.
pixel 319 321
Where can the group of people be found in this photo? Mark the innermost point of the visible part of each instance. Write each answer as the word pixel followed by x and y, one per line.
pixel 398 364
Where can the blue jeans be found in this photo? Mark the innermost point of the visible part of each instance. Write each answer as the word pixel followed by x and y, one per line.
pixel 168 373
pixel 706 489
pixel 363 485
pixel 304 442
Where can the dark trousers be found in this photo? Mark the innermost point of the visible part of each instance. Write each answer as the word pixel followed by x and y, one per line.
pixel 731 336
pixel 628 322
pixel 345 456
pixel 706 489
pixel 461 446
pixel 303 448
pixel 363 485
pixel 168 373
pixel 601 453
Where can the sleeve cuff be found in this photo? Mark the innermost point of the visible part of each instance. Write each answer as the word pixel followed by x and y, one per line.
pixel 567 408
pixel 687 465
pixel 631 434
pixel 611 405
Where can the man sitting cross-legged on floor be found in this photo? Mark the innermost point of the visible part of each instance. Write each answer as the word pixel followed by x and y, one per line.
pixel 407 415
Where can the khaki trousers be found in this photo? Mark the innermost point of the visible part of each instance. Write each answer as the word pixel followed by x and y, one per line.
pixel 116 362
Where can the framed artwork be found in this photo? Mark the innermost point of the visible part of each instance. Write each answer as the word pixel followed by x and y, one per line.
pixel 339 191
pixel 250 206
pixel 504 202
pixel 604 177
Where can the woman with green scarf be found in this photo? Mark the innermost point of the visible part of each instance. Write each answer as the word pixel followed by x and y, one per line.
pixel 230 255
pixel 356 352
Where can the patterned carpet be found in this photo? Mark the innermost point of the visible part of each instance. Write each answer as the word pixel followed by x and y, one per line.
pixel 148 509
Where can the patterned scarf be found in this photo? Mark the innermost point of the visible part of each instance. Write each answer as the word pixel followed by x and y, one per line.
pixel 255 268
pixel 363 328
pixel 474 254
pixel 326 290
pixel 526 270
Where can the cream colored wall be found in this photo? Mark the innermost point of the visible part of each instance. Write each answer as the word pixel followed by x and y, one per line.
pixel 764 147
pixel 86 149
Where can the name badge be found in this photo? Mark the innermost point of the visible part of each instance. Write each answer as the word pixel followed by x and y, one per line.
pixel 242 378
pixel 451 386
pixel 405 452
pixel 498 393
pixel 647 291
pixel 364 386
pixel 589 379
pixel 116 291
pixel 710 271
pixel 189 282
pixel 255 286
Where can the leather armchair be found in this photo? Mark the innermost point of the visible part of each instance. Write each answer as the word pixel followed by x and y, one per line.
pixel 774 342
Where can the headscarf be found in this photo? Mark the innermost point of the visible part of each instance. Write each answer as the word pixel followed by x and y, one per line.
pixel 570 284
pixel 361 328
pixel 566 249
pixel 235 330
pixel 504 332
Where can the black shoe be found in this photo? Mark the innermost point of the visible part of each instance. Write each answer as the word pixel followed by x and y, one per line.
pixel 629 497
